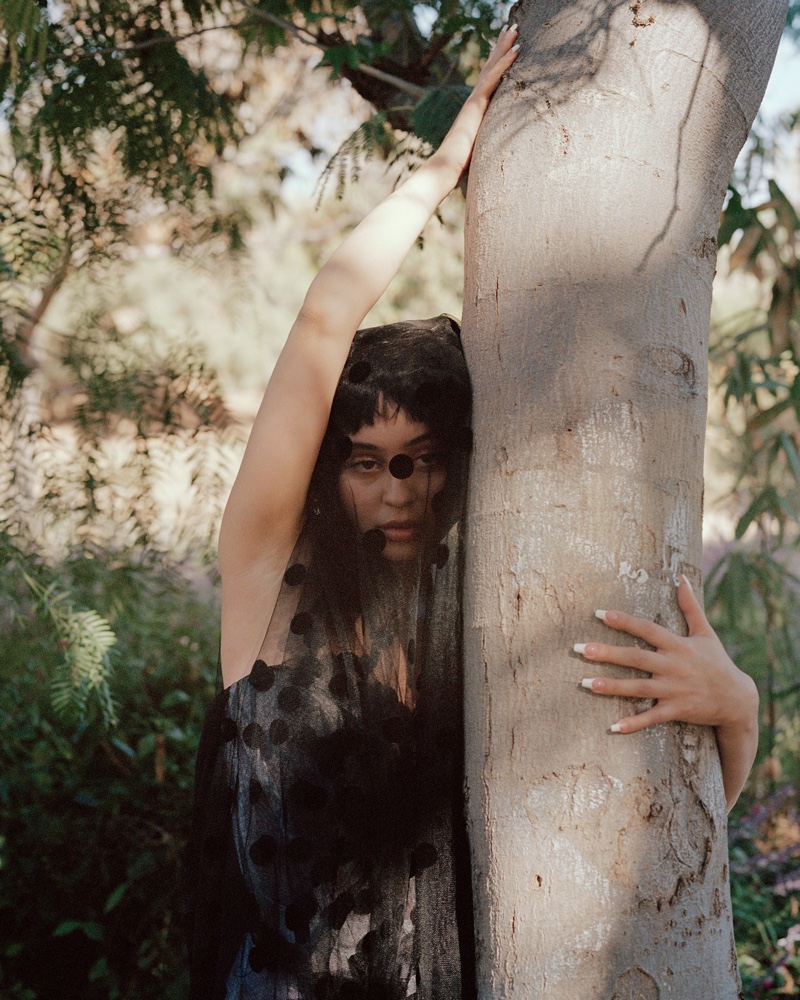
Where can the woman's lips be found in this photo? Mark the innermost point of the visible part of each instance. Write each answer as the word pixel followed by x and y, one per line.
pixel 400 531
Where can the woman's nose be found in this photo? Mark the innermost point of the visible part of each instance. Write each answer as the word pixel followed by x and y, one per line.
pixel 398 492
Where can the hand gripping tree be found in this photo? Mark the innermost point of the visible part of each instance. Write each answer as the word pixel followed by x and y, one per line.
pixel 600 860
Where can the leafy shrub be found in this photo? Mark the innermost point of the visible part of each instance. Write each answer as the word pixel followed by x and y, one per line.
pixel 765 890
pixel 95 819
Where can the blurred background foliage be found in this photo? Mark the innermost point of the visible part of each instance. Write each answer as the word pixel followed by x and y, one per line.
pixel 172 174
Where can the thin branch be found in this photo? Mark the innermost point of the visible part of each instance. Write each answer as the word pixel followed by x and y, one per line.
pixel 35 317
pixel 302 34
pixel 308 38
pixel 113 50
pixel 258 17
pixel 397 82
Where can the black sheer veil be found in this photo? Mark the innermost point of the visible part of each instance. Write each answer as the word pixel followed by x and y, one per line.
pixel 328 856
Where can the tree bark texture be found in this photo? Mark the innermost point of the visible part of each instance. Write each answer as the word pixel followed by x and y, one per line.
pixel 600 861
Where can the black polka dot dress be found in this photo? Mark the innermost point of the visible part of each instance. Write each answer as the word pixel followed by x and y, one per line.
pixel 327 859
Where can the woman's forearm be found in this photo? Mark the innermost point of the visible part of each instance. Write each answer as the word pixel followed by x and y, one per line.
pixel 371 255
pixel 737 750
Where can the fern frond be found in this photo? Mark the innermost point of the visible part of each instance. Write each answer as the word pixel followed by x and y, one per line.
pixel 84 671
pixel 372 136
pixel 436 112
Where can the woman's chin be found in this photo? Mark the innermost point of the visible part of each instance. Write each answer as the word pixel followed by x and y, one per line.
pixel 401 552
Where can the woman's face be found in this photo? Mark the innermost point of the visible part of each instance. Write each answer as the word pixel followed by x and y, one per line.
pixel 388 481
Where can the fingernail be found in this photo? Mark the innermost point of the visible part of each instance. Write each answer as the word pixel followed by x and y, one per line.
pixel 687 581
pixel 514 27
pixel 587 682
pixel 601 615
pixel 616 728
pixel 514 48
pixel 579 647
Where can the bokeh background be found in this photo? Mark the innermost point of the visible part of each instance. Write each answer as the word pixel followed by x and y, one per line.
pixel 172 175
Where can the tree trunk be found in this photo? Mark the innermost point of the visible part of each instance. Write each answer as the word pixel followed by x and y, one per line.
pixel 600 861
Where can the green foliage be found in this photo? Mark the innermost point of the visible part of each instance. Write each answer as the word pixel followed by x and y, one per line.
pixel 84 670
pixel 112 67
pixel 435 113
pixel 24 25
pixel 144 416
pixel 754 590
pixel 94 821
pixel 372 136
pixel 765 892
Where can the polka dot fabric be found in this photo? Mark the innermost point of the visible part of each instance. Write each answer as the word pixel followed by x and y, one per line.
pixel 328 857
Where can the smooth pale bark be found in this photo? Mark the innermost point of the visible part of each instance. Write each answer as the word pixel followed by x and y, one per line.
pixel 600 861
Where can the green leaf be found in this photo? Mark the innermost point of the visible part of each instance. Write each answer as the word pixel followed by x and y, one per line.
pixel 786 210
pixel 123 747
pixel 67 927
pixel 174 698
pixel 99 970
pixel 92 930
pixel 792 457
pixel 339 56
pixel 115 897
pixel 436 112
pixel 794 395
pixel 735 217
pixel 765 501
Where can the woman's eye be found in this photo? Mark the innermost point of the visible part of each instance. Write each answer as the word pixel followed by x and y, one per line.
pixel 432 458
pixel 364 465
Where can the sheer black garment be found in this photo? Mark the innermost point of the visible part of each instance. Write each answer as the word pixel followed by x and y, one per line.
pixel 328 856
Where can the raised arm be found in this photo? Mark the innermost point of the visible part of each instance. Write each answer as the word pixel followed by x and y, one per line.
pixel 693 680
pixel 264 513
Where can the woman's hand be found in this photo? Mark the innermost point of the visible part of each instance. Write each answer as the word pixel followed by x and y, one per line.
pixel 456 148
pixel 504 52
pixel 692 679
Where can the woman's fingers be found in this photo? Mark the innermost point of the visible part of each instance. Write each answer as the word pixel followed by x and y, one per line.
pixel 500 58
pixel 642 628
pixel 623 687
pixel 633 723
pixel 622 656
pixel 692 609
pixel 657 635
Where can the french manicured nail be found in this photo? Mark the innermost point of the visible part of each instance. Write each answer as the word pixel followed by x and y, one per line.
pixel 687 581
pixel 616 728
pixel 514 48
pixel 587 682
pixel 514 27
pixel 601 615
pixel 579 647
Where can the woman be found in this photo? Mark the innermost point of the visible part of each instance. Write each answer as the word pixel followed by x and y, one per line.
pixel 328 857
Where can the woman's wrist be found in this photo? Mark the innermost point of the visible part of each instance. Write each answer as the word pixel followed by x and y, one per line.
pixel 743 716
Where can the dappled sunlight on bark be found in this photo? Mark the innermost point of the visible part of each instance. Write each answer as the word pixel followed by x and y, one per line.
pixel 595 191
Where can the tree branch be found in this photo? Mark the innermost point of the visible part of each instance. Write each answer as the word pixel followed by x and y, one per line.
pixel 308 38
pixel 149 44
pixel 258 17
pixel 34 318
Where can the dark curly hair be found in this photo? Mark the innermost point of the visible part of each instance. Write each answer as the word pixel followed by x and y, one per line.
pixel 417 366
